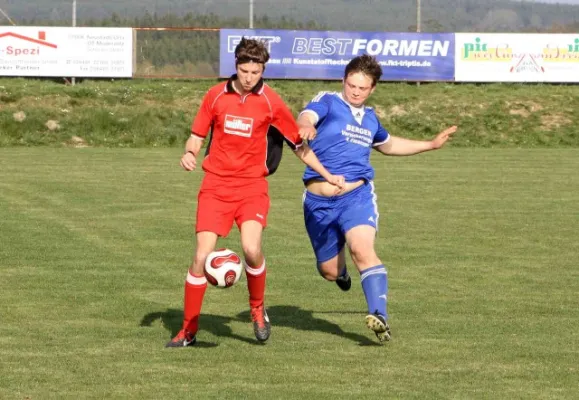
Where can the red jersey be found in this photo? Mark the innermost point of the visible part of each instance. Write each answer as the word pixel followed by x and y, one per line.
pixel 245 130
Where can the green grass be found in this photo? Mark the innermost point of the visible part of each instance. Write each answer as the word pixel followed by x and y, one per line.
pixel 481 247
pixel 158 113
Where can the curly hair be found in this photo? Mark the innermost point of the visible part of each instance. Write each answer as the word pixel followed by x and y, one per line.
pixel 365 64
pixel 251 50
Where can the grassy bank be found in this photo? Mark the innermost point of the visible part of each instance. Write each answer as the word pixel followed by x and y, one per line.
pixel 158 113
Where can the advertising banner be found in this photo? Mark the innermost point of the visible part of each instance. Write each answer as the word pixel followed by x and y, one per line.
pixel 517 57
pixel 324 54
pixel 66 52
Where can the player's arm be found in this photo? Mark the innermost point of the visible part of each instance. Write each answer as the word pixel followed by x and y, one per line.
pixel 308 157
pixel 307 124
pixel 316 110
pixel 398 146
pixel 199 130
pixel 285 123
pixel 192 148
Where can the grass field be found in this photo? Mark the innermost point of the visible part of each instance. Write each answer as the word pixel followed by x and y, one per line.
pixel 481 247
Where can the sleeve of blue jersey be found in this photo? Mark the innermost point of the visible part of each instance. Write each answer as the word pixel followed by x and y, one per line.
pixel 381 137
pixel 319 106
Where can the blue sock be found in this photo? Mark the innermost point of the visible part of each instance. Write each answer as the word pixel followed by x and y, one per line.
pixel 375 285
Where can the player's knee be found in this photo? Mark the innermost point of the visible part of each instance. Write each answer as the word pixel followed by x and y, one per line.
pixel 252 253
pixel 362 255
pixel 329 273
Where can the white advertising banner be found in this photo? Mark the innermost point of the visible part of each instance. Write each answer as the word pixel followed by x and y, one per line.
pixel 66 52
pixel 517 57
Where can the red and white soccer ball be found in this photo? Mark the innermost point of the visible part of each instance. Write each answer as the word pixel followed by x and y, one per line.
pixel 223 268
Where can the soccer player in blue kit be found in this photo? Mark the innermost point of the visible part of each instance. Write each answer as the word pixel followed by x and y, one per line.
pixel 342 131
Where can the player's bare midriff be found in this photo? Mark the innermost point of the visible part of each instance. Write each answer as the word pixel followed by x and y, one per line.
pixel 326 189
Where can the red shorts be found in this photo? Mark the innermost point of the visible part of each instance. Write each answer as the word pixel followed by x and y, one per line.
pixel 222 201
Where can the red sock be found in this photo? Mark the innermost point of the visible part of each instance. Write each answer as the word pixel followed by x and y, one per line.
pixel 194 291
pixel 256 284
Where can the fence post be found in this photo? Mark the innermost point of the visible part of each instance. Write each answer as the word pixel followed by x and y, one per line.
pixel 134 52
pixel 73 80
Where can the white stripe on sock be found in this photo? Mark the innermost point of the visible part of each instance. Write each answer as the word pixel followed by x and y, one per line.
pixel 255 271
pixel 381 271
pixel 196 280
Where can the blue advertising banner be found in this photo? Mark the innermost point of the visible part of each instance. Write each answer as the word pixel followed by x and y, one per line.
pixel 324 54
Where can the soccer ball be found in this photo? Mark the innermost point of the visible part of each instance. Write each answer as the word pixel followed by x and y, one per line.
pixel 223 268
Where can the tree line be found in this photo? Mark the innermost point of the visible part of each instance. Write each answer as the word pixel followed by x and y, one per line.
pixel 356 15
pixel 197 53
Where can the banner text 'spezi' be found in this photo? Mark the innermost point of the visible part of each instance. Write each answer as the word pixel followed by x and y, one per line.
pixel 66 52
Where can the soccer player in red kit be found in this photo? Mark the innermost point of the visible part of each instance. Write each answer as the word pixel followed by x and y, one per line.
pixel 249 123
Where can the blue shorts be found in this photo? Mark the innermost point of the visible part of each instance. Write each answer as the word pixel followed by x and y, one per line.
pixel 328 219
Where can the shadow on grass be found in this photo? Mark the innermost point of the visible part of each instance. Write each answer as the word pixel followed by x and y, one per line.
pixel 304 320
pixel 172 320
pixel 287 316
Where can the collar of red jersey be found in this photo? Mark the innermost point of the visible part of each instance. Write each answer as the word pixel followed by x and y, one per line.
pixel 257 89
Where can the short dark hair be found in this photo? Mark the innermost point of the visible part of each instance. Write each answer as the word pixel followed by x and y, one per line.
pixel 365 64
pixel 251 50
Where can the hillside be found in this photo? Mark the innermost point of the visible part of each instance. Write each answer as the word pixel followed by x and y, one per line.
pixel 391 15
pixel 156 113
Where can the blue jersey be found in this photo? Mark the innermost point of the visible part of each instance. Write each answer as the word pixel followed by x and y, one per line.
pixel 345 137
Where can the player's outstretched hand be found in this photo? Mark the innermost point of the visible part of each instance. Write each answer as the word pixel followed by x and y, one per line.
pixel 307 132
pixel 188 162
pixel 442 137
pixel 339 182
